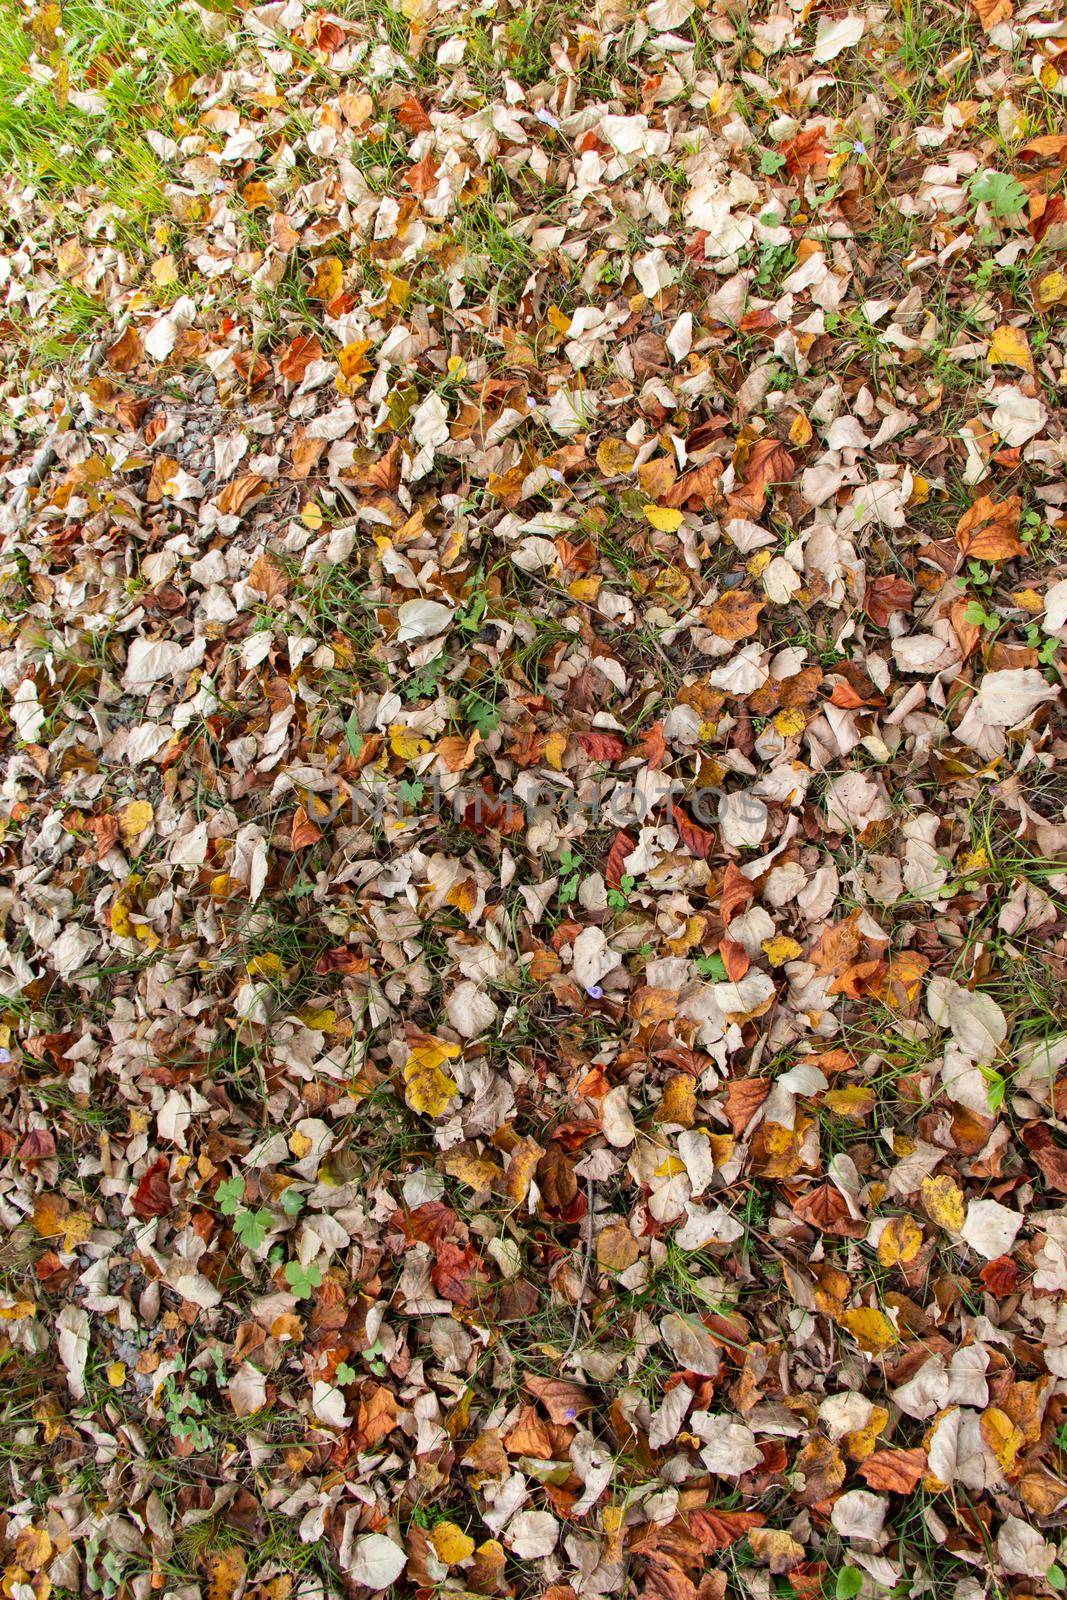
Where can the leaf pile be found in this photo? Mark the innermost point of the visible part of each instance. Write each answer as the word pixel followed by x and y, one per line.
pixel 533 595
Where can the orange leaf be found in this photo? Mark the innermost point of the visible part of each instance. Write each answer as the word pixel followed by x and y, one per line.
pixel 737 891
pixel 409 114
pixel 422 177
pixel 240 493
pixel 991 13
pixel 717 1530
pixel 304 830
pixel 735 615
pixel 267 577
pixel 988 530
pixel 744 1096
pixel 895 1471
pixel 298 356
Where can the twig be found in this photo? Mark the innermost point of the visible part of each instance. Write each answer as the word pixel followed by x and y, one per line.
pixel 45 458
pixel 586 1264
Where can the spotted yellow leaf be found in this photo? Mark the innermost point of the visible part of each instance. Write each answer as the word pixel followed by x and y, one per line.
pixel 615 457
pixel 856 1101
pixel 900 1242
pixel 781 949
pixel 871 1329
pixel 406 743
pixel 1002 1437
pixel 943 1200
pixel 428 1088
pixel 326 284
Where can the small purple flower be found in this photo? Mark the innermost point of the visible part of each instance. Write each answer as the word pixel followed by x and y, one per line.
pixel 595 992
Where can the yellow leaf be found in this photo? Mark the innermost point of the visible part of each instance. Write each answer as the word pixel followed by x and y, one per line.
pixel 451 1543
pixel 116 1374
pixel 311 516
pixel 406 743
pixel 800 430
pixel 776 1549
pixel 900 1242
pixel 267 965
pixel 1009 347
pixel 33 1551
pixel 133 820
pixel 164 271
pixel 1051 290
pixel 860 1442
pixel 870 1328
pixel 781 949
pixel 856 1101
pixel 614 457
pixel 326 284
pixel 428 1088
pixel 463 896
pixel 585 589
pixel 323 1021
pixel 119 916
pixel 351 358
pixel 678 1102
pixel 225 1572
pixel 791 722
pixel 1002 1437
pixel 943 1200
pixel 616 1247
pixel 555 745
pixel 477 1172
pixel 665 518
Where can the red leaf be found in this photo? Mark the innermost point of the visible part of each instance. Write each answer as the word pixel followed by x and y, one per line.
pixel 602 746
pixel 614 867
pixel 999 1277
pixel 693 836
pixel 151 1198
pixel 896 1471
pixel 1049 1156
pixel 806 153
pixel 825 1208
pixel 453 1276
pixel 734 959
pixel 886 595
